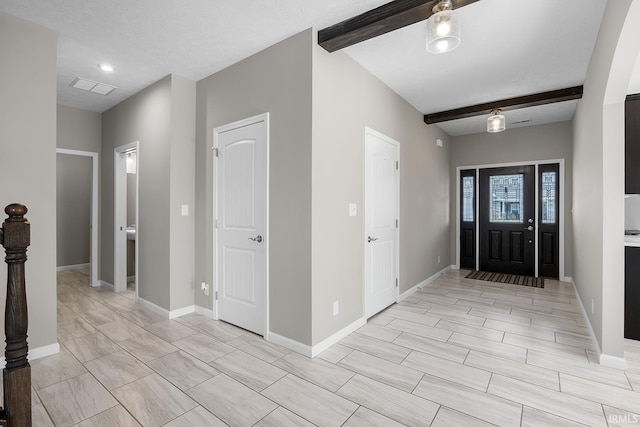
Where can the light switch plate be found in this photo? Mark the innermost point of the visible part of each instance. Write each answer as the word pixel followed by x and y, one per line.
pixel 353 209
pixel 185 210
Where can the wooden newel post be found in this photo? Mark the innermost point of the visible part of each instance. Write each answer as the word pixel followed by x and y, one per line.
pixel 17 374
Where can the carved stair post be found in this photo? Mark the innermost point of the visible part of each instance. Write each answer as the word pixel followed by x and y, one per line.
pixel 17 374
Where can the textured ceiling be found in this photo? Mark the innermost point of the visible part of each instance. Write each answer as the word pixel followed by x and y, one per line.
pixel 145 40
pixel 509 48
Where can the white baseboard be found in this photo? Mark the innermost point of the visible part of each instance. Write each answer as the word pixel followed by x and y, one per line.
pixel 613 361
pixel 328 342
pixel 294 345
pixel 151 306
pixel 205 312
pixel 567 279
pixel 406 294
pixel 37 353
pixel 73 267
pixel 182 311
pixel 166 313
pixel 604 359
pixel 105 284
pixel 309 351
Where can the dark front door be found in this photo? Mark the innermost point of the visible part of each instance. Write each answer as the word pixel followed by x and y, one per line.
pixel 506 219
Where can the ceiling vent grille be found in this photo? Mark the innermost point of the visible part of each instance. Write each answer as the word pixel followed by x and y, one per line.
pixel 91 86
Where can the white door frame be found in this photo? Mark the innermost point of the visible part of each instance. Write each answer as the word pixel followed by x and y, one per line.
pixel 536 163
pixel 216 133
pixel 95 164
pixel 369 131
pixel 120 216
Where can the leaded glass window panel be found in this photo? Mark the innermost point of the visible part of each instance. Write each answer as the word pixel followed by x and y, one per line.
pixel 468 200
pixel 506 204
pixel 548 189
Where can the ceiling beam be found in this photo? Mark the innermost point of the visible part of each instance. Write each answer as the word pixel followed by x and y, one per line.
pixel 381 20
pixel 543 98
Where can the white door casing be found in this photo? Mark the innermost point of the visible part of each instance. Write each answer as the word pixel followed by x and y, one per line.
pixel 381 221
pixel 241 151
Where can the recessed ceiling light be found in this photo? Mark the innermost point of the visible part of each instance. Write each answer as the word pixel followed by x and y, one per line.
pixel 106 68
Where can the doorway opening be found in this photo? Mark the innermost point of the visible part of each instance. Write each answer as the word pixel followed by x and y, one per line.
pixel 511 218
pixel 126 239
pixel 87 209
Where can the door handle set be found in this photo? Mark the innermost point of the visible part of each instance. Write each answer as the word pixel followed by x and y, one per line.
pixel 258 238
pixel 530 228
pixel 371 239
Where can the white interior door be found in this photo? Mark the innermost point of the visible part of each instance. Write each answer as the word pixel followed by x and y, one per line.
pixel 381 222
pixel 242 224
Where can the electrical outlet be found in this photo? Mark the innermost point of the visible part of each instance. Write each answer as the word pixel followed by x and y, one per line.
pixel 592 306
pixel 438 259
pixel 205 288
pixel 336 308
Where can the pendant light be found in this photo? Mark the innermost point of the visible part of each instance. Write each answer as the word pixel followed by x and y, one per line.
pixel 443 28
pixel 496 122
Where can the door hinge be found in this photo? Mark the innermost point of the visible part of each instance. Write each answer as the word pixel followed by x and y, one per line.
pixel 216 295
pixel 397 165
pixel 396 223
pixel 216 223
pixel 396 282
pixel 216 152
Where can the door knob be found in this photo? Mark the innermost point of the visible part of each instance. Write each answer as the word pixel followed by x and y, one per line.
pixel 258 238
pixel 530 228
pixel 371 239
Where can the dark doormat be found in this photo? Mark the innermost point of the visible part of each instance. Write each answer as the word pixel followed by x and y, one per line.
pixel 513 279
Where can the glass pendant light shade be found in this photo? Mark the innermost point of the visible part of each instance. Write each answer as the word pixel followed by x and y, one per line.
pixel 443 28
pixel 496 122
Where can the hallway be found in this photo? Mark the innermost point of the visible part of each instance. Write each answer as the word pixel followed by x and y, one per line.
pixel 458 352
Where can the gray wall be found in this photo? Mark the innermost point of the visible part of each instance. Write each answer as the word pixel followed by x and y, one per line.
pixel 543 142
pixel 73 210
pixel 28 161
pixel 150 117
pixel 182 191
pixel 346 98
pixel 598 159
pixel 76 130
pixel 79 129
pixel 276 80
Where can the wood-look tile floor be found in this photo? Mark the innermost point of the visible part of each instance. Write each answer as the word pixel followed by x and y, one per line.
pixel 458 352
